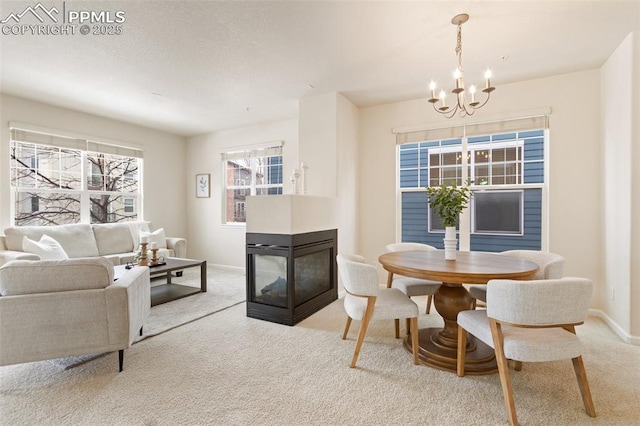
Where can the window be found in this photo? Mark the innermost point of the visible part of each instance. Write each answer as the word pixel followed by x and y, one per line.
pixel 507 170
pixel 55 181
pixel 250 172
pixel 498 212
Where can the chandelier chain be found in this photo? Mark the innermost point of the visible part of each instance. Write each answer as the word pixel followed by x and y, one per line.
pixel 459 47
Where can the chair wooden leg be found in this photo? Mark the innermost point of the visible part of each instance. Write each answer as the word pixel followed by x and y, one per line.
pixel 581 375
pixel 408 326
pixel 397 323
pixel 462 351
pixel 517 365
pixel 413 329
pixel 346 328
pixel 363 328
pixel 429 299
pixel 503 369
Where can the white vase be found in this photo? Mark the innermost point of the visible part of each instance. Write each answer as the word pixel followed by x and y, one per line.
pixel 450 243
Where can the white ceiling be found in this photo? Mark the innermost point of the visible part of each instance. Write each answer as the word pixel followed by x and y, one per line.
pixel 192 67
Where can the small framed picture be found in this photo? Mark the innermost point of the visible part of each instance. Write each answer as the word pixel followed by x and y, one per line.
pixel 203 189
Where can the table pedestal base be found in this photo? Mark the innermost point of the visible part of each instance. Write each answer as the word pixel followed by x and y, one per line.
pixel 438 347
pixel 480 358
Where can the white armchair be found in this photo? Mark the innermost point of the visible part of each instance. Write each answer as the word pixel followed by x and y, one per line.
pixel 413 286
pixel 551 265
pixel 366 300
pixel 531 321
pixel 59 308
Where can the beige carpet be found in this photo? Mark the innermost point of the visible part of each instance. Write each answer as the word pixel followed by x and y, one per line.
pixel 227 369
pixel 225 288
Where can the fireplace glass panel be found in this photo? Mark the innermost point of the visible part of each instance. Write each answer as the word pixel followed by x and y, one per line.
pixel 312 275
pixel 270 280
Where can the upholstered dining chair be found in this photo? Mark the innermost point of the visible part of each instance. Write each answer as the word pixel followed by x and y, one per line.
pixel 414 286
pixel 532 321
pixel 366 300
pixel 551 265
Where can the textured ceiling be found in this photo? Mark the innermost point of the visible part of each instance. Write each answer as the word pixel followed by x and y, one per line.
pixel 192 67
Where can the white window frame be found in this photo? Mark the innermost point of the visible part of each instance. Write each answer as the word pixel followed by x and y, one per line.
pixel 251 155
pixel 85 146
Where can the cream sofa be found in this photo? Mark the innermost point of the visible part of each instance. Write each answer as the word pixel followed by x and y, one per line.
pixel 59 308
pixel 117 242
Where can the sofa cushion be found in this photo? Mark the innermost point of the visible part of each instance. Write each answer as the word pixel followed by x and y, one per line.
pixel 47 248
pixel 156 236
pixel 47 276
pixel 136 227
pixel 113 238
pixel 76 239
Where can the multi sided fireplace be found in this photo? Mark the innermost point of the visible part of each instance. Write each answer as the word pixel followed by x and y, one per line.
pixel 290 277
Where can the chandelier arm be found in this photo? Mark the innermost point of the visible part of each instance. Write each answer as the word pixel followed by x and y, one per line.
pixel 484 103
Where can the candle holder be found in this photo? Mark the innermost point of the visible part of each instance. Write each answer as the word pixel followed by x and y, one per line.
pixel 154 256
pixel 143 261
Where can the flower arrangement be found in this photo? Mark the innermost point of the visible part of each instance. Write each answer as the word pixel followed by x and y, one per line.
pixel 449 201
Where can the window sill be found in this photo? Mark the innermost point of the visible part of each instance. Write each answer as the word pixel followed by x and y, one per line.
pixel 232 225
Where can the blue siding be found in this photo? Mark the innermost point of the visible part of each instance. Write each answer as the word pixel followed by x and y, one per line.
pixel 503 137
pixel 533 172
pixel 415 225
pixel 479 139
pixel 531 134
pixel 532 238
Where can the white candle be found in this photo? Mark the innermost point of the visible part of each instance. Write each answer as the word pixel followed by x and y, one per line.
pixel 487 76
pixel 154 245
pixel 443 95
pixel 144 239
pixel 472 90
pixel 432 86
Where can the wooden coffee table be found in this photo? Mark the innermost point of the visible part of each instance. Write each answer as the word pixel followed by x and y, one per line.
pixel 171 291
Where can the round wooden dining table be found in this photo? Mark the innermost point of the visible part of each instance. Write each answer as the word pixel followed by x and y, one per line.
pixel 438 346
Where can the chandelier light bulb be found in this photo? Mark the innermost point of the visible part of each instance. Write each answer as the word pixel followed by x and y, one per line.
pixel 472 90
pixel 443 96
pixel 432 87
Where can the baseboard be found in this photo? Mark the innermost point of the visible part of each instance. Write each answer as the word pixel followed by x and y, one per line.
pixel 626 337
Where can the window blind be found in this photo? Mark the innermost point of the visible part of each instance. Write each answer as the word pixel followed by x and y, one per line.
pixel 266 151
pixel 69 142
pixel 477 129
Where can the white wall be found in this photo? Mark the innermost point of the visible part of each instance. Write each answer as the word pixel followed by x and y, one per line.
pixel 620 140
pixel 328 124
pixel 348 171
pixel 317 142
pixel 209 238
pixel 329 145
pixel 164 157
pixel 574 161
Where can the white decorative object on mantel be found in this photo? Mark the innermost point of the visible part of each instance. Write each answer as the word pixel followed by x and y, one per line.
pixel 295 176
pixel 304 169
pixel 450 243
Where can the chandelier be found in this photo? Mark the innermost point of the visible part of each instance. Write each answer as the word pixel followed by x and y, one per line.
pixel 463 106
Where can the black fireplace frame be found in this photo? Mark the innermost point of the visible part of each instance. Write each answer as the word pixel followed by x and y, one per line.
pixel 290 246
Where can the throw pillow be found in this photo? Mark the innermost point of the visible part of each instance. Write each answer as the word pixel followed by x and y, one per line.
pixel 156 236
pixel 47 248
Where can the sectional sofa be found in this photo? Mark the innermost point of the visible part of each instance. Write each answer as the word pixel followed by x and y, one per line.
pixel 117 242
